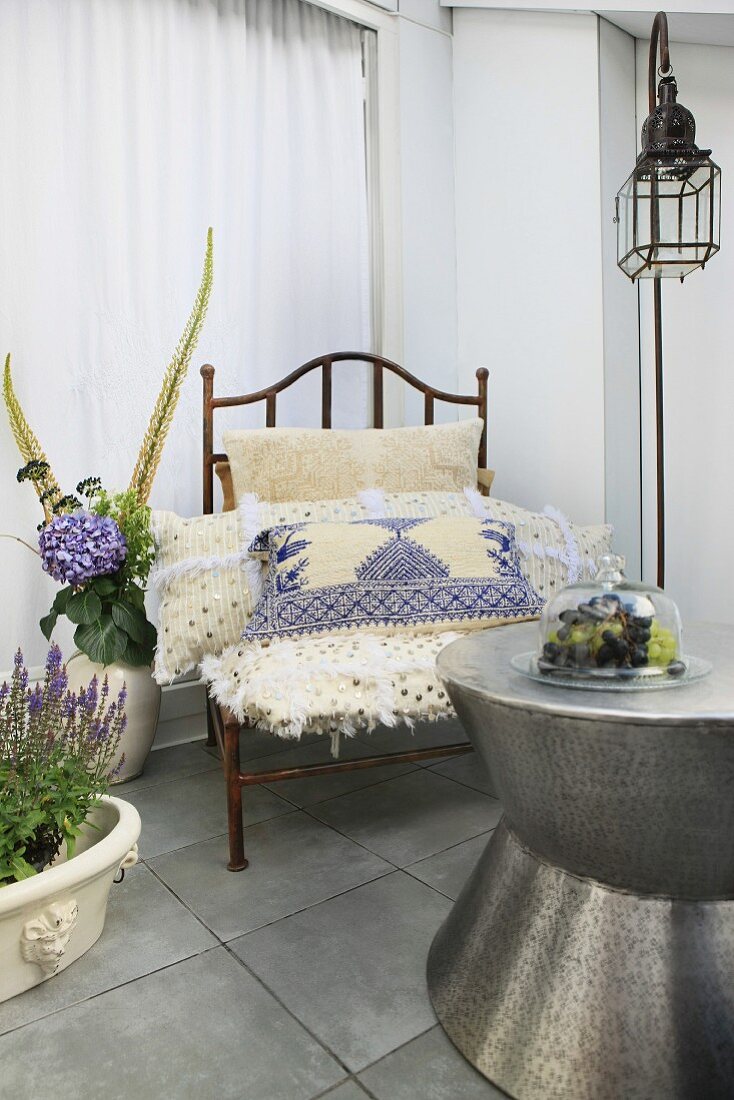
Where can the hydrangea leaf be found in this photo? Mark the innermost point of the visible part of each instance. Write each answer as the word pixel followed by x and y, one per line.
pixel 139 656
pixel 47 624
pixel 84 607
pixel 104 586
pixel 61 599
pixel 129 619
pixel 102 641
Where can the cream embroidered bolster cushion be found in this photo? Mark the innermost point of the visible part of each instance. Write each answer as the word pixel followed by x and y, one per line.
pixel 387 575
pixel 205 580
pixel 312 464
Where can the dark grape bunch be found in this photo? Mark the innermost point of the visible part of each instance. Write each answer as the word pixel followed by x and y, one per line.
pixel 606 634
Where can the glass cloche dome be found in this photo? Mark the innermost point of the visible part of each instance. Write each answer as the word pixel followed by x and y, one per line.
pixel 610 629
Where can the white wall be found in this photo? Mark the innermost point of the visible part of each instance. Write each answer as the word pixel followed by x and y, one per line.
pixel 526 94
pixel 618 147
pixel 698 336
pixel 428 210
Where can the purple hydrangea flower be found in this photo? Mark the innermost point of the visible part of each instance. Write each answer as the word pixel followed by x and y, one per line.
pixel 75 548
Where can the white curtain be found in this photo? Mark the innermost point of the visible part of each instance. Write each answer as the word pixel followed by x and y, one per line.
pixel 127 127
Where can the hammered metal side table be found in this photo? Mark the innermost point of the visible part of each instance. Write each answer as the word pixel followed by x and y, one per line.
pixel 590 955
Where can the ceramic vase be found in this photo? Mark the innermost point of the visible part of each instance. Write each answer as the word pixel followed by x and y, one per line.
pixel 142 706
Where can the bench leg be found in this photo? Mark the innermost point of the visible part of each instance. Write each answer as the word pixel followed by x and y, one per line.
pixel 211 738
pixel 237 861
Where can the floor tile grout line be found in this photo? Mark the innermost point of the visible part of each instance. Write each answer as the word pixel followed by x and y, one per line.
pixel 352 839
pixel 185 904
pixel 424 859
pixel 120 789
pixel 333 1088
pixel 430 885
pixel 365 787
pixel 404 775
pixel 314 905
pixel 390 1053
pixel 397 866
pixel 203 840
pixel 111 989
pixel 317 1039
pixel 460 782
pixel 306 810
pixel 269 924
pixel 391 869
pixel 216 765
pixel 322 1042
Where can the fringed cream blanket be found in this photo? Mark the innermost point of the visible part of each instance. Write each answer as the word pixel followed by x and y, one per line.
pixel 335 685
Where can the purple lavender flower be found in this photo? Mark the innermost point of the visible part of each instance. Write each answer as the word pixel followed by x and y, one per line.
pixel 91 696
pixel 20 670
pixel 35 700
pixel 56 671
pixel 75 548
pixel 59 684
pixel 53 659
pixel 68 706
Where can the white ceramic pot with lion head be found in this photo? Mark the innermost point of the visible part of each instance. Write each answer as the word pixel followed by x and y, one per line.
pixel 142 706
pixel 49 920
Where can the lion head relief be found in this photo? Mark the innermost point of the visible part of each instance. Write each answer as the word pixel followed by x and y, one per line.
pixel 44 938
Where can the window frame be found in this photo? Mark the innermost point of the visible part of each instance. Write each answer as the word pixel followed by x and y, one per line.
pixel 383 169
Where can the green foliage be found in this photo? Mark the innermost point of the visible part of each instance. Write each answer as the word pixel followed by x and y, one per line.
pixel 133 519
pixel 56 754
pixel 109 611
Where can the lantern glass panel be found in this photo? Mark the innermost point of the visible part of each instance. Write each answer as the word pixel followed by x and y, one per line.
pixel 668 215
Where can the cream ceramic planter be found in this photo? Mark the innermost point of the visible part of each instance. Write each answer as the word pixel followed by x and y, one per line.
pixel 142 706
pixel 50 920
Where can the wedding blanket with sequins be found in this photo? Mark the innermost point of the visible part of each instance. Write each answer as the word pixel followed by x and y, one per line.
pixel 333 684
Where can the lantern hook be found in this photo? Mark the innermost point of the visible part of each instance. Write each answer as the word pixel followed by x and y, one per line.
pixel 659 31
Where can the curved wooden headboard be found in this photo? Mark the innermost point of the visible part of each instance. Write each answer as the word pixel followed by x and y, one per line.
pixel 325 362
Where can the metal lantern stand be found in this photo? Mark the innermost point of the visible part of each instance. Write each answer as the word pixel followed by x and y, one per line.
pixel 668 214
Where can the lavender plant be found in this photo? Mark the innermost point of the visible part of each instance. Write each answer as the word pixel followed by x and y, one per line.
pixel 57 754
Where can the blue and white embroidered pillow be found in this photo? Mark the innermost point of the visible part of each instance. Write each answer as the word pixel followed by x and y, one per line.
pixel 387 575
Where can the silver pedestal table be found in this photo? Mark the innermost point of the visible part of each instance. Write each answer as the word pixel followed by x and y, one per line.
pixel 590 955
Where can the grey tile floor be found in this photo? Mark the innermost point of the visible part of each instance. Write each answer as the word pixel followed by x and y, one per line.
pixel 303 976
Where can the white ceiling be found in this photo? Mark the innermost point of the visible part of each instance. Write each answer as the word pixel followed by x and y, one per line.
pixel 716 30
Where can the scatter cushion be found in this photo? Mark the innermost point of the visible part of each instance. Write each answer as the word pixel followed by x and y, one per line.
pixel 553 551
pixel 335 685
pixel 207 584
pixel 258 516
pixel 281 464
pixel 390 575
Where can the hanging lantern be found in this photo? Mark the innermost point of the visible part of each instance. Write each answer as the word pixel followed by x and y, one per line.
pixel 668 211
